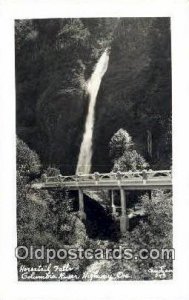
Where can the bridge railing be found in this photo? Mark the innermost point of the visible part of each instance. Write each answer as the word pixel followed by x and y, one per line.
pixel 121 176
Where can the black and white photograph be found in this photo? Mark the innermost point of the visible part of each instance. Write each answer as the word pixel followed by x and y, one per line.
pixel 94 149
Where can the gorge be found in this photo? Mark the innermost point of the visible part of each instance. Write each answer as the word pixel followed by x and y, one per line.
pixel 93 95
pixel 54 61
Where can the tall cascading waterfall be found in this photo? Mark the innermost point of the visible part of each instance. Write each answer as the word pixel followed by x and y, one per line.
pixel 93 85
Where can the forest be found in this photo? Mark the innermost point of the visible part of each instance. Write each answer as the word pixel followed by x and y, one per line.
pixel 54 59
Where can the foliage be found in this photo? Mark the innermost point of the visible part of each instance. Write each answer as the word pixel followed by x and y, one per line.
pixel 130 161
pixel 45 218
pixel 42 217
pixel 27 161
pixel 50 171
pixel 54 59
pixel 156 233
pixel 119 143
pixel 136 91
pixel 159 212
pixel 28 164
pixel 125 158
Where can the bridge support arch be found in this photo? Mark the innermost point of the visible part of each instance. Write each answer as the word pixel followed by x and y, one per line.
pixel 82 213
pixel 124 221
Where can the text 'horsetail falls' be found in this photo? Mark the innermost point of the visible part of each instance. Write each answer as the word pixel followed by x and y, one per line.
pixel 93 85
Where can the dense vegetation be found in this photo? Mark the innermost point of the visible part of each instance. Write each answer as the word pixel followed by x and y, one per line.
pixel 125 158
pixel 54 59
pixel 50 219
pixel 136 91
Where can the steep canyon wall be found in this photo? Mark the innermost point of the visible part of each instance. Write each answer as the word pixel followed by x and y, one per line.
pixel 55 58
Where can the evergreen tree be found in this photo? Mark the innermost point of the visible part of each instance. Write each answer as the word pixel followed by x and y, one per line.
pixel 125 158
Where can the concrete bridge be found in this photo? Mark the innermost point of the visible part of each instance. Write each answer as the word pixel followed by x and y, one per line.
pixel 121 181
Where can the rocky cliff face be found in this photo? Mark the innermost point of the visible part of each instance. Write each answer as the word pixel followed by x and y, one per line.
pixel 135 93
pixel 54 58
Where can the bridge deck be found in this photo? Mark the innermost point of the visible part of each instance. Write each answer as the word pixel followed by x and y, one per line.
pixel 146 180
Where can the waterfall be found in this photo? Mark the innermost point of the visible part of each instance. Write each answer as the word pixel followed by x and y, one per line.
pixel 93 85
